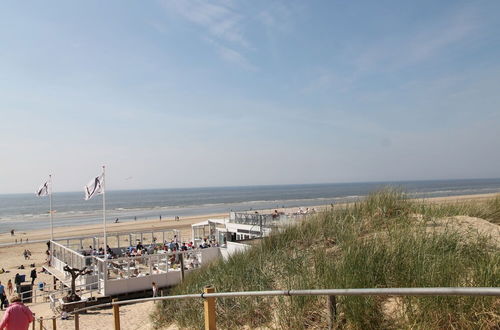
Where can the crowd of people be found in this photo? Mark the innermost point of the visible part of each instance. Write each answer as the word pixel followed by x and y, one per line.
pixel 136 267
pixel 155 248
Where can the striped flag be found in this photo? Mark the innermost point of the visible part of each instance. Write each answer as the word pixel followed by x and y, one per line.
pixel 94 187
pixel 43 190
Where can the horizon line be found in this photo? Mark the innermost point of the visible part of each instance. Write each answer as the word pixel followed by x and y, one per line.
pixel 269 185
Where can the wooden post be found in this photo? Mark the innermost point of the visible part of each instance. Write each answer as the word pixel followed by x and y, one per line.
pixel 182 266
pixel 332 311
pixel 34 321
pixel 116 315
pixel 77 321
pixel 210 320
pixel 41 322
pixel 54 325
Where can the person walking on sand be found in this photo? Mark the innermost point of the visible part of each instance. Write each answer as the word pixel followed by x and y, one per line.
pixel 9 287
pixel 154 287
pixel 17 316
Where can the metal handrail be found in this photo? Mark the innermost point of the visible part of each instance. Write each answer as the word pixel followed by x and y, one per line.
pixel 331 293
pixel 451 291
pixel 48 293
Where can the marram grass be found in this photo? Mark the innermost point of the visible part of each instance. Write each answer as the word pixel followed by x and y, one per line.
pixel 378 242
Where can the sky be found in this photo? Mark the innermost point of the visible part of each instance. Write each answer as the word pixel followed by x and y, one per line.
pixel 191 93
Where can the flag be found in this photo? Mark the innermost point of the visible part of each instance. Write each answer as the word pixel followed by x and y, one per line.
pixel 94 187
pixel 43 190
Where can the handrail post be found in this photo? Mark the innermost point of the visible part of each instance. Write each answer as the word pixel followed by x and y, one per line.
pixel 332 311
pixel 77 321
pixel 182 266
pixel 209 303
pixel 116 314
pixel 54 325
pixel 34 321
pixel 41 322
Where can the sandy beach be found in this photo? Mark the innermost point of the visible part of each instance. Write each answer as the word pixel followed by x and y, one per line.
pixel 184 224
pixel 12 257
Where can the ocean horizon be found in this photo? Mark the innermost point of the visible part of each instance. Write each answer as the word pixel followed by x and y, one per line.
pixel 28 212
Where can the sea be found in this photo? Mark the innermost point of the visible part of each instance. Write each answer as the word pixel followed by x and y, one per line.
pixel 23 212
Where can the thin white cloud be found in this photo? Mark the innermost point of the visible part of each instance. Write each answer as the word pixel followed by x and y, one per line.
pixel 233 56
pixel 218 18
pixel 221 24
pixel 430 42
pixel 395 52
pixel 158 26
pixel 325 80
pixel 280 16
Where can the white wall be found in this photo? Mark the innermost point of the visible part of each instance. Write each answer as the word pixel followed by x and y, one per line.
pixel 210 254
pixel 232 248
pixel 141 283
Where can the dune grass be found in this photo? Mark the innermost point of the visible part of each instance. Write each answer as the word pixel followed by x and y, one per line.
pixel 383 241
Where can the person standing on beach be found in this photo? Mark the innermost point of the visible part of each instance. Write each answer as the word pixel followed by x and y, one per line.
pixel 154 287
pixel 2 295
pixel 17 279
pixel 33 275
pixel 17 316
pixel 9 287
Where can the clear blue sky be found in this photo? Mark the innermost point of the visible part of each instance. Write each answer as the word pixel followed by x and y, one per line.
pixel 192 93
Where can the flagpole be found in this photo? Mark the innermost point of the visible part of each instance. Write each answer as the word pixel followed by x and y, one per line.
pixel 50 208
pixel 104 209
